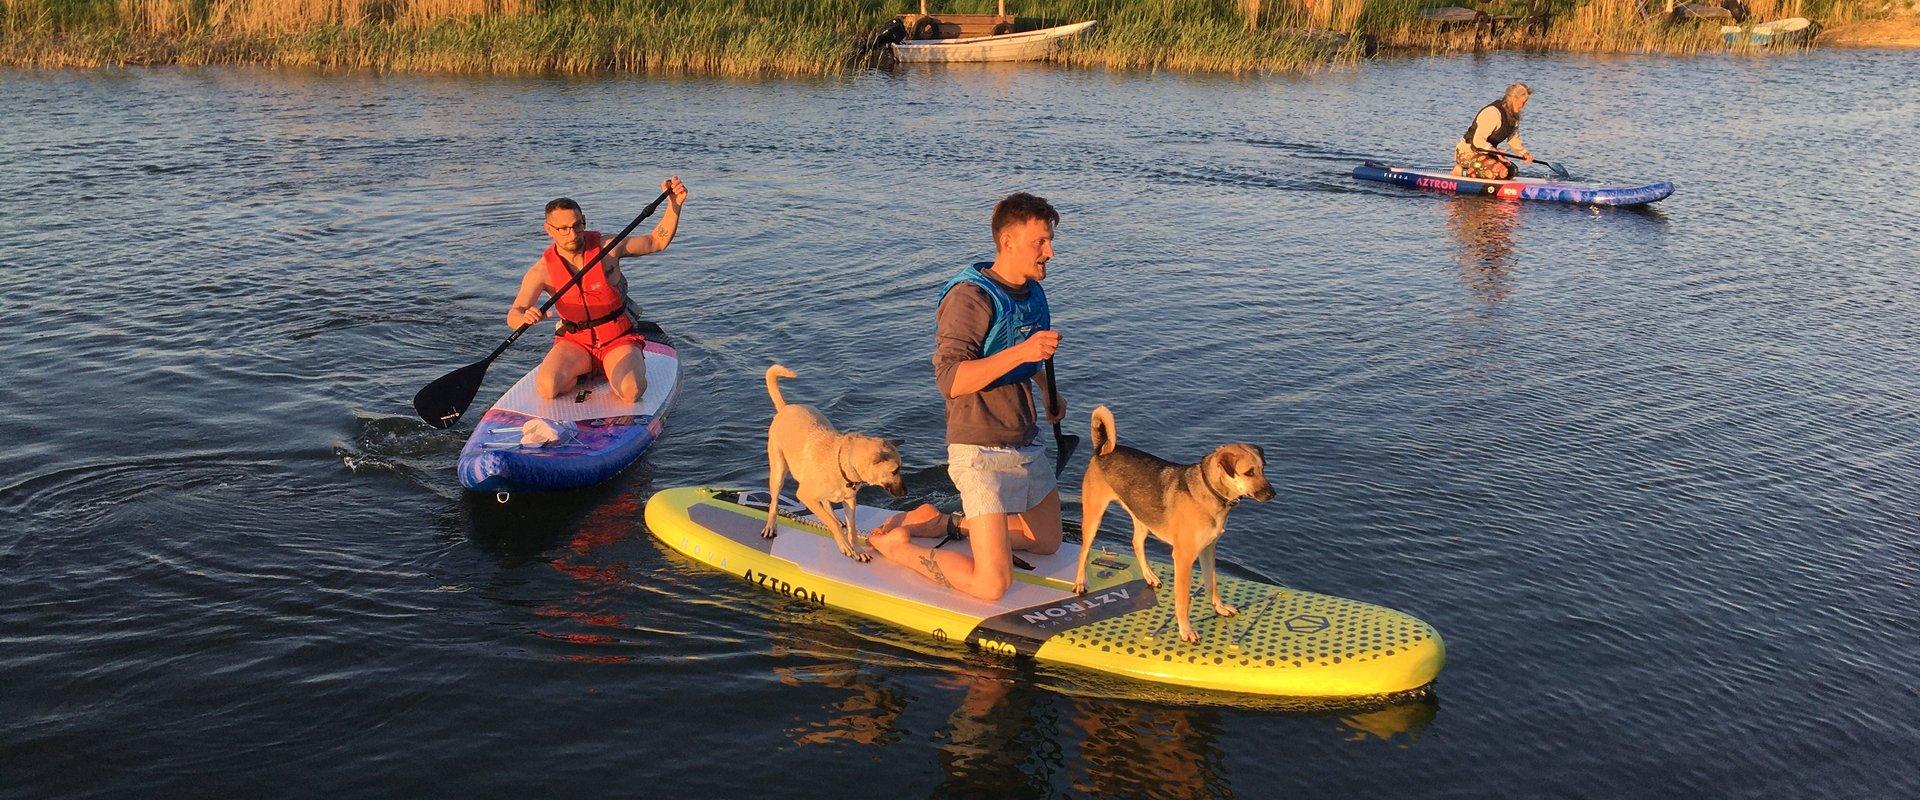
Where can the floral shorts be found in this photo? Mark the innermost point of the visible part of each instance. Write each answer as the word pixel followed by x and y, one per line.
pixel 1482 165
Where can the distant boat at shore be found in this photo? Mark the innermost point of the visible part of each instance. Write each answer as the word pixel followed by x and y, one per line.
pixel 1792 30
pixel 1024 46
pixel 924 38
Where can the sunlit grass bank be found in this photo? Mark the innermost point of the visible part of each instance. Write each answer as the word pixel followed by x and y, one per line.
pixel 785 37
pixel 1602 26
pixel 728 37
pixel 507 36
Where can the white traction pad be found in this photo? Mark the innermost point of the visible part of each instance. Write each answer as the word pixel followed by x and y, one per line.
pixel 661 363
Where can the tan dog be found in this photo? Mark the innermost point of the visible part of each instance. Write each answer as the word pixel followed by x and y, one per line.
pixel 1185 505
pixel 828 466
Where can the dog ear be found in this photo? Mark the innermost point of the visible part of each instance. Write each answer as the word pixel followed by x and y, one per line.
pixel 894 442
pixel 1222 460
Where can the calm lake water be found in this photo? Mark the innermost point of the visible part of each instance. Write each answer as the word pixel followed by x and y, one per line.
pixel 1650 473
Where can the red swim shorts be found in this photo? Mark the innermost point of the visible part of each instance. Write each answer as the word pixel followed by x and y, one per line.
pixel 606 344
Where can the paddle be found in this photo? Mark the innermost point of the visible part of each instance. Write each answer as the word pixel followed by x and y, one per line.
pixel 1558 171
pixel 1063 444
pixel 442 402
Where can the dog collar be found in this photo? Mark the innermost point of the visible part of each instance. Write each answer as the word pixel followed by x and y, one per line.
pixel 1230 501
pixel 840 463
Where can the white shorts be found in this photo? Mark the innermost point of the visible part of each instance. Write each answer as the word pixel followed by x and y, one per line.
pixel 999 480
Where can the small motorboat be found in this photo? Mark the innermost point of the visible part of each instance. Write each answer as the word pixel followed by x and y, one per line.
pixel 925 38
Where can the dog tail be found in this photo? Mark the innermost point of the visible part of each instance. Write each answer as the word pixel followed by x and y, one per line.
pixel 1103 431
pixel 774 374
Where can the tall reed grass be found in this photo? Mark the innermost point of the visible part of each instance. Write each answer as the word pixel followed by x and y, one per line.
pixel 1230 36
pixel 780 37
pixel 1618 26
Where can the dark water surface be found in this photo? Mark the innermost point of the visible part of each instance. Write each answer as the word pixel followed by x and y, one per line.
pixel 1648 472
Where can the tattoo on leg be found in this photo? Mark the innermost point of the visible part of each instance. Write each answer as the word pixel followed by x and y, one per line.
pixel 933 566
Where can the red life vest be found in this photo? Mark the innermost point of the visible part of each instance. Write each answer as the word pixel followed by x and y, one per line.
pixel 591 303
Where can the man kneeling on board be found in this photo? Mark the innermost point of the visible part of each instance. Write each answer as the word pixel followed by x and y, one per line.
pixel 596 315
pixel 992 333
pixel 1477 154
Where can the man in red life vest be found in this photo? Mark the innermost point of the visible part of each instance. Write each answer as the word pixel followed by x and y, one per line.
pixel 596 327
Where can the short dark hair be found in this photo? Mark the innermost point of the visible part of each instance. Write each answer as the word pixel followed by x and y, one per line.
pixel 562 204
pixel 1020 207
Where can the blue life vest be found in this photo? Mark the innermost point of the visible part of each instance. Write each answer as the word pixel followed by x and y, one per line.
pixel 1013 320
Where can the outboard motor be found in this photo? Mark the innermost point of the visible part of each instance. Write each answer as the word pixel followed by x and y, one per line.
pixel 893 33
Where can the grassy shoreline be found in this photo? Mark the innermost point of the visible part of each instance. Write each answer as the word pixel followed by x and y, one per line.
pixel 795 37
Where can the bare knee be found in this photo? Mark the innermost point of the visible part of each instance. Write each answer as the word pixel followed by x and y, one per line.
pixel 629 389
pixel 1040 532
pixel 988 589
pixel 550 383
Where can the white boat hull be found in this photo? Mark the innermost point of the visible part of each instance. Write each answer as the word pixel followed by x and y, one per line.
pixel 1027 46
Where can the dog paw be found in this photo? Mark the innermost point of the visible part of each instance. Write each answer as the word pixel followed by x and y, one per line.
pixel 1188 635
pixel 1153 581
pixel 1080 587
pixel 768 532
pixel 1225 610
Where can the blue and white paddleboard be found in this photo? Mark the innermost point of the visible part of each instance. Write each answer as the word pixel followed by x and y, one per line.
pixel 606 435
pixel 1538 189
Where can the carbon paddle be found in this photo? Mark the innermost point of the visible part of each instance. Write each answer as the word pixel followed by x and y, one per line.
pixel 441 402
pixel 1558 171
pixel 1063 444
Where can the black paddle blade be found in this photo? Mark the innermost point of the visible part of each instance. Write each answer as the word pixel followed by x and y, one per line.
pixel 1558 171
pixel 442 402
pixel 1063 444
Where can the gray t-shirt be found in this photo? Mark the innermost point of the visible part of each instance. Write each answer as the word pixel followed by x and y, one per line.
pixel 998 416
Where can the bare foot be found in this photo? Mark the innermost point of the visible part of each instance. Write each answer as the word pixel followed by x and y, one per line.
pixel 924 520
pixel 893 530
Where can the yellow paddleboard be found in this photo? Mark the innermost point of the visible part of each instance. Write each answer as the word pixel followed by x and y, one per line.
pixel 1284 642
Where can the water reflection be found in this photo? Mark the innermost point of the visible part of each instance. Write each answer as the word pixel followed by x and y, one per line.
pixel 567 532
pixel 1002 739
pixel 1399 724
pixel 522 530
pixel 865 713
pixel 527 525
pixel 1144 751
pixel 1484 231
pixel 586 617
pixel 1010 733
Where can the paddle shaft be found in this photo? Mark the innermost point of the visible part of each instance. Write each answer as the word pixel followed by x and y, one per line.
pixel 1053 397
pixel 1063 444
pixel 1557 169
pixel 605 248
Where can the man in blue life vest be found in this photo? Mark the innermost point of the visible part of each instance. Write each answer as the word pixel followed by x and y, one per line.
pixel 992 334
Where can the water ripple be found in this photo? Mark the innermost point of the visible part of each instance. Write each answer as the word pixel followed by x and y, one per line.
pixel 1649 472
